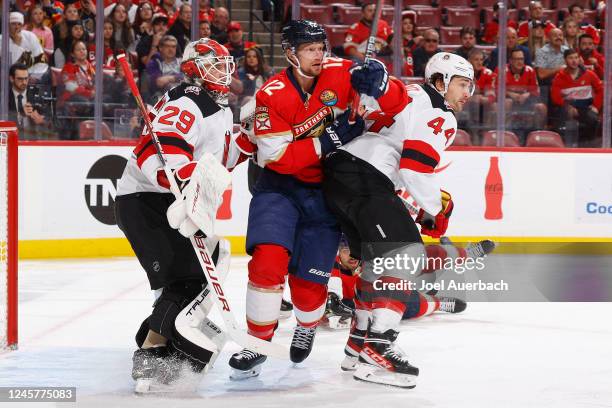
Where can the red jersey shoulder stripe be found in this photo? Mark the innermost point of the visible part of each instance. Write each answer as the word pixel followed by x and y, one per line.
pixel 419 156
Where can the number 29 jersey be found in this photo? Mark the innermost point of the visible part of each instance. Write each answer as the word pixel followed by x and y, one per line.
pixel 289 121
pixel 188 123
pixel 406 143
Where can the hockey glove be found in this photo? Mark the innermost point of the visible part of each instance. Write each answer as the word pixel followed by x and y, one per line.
pixel 436 227
pixel 371 79
pixel 177 216
pixel 202 195
pixel 340 132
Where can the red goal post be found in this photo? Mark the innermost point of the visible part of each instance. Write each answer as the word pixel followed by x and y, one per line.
pixel 9 137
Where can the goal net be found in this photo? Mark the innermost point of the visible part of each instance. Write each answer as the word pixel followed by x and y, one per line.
pixel 8 235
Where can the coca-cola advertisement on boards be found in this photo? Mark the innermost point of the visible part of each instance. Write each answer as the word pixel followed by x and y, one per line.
pixel 494 191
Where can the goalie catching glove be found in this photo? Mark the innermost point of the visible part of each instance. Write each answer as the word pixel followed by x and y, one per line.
pixel 202 185
pixel 436 226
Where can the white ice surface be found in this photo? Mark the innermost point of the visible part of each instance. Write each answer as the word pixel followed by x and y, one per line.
pixel 78 320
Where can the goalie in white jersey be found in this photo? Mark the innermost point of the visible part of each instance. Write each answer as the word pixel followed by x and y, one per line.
pixel 193 123
pixel 402 148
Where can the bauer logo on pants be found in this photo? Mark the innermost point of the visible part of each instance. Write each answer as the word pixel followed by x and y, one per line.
pixel 101 187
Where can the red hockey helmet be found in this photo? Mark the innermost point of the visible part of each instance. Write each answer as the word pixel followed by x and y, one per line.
pixel 208 64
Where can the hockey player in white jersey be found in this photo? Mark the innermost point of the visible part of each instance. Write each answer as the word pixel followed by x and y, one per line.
pixel 402 148
pixel 193 123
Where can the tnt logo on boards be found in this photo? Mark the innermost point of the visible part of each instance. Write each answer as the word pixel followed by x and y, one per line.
pixel 101 187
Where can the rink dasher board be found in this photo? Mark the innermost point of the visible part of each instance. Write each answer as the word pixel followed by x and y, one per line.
pixel 67 191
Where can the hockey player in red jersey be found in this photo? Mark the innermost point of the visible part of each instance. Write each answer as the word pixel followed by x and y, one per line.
pixel 192 122
pixel 343 280
pixel 402 147
pixel 301 116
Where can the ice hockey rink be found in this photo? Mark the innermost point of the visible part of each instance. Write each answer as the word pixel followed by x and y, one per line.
pixel 78 319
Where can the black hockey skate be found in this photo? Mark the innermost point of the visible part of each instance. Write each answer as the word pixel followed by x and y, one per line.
pixel 301 345
pixel 337 313
pixel 353 347
pixel 479 249
pixel 382 362
pixel 154 365
pixel 246 364
pixel 286 309
pixel 472 250
pixel 452 305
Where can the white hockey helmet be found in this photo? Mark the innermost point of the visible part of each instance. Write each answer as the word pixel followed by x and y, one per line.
pixel 449 65
pixel 208 64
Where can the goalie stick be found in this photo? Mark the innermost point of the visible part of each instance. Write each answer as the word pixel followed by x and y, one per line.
pixel 197 241
pixel 369 53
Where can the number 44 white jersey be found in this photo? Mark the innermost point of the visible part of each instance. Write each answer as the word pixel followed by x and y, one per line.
pixel 406 143
pixel 188 123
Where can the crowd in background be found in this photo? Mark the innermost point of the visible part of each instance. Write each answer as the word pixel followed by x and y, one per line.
pixel 553 76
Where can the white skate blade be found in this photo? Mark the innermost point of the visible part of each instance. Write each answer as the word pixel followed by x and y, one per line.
pixel 336 324
pixel 143 385
pixel 285 314
pixel 349 363
pixel 239 375
pixel 379 375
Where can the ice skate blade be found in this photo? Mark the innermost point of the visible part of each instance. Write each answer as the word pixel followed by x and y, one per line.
pixel 285 314
pixel 239 375
pixel 143 385
pixel 379 375
pixel 349 363
pixel 335 323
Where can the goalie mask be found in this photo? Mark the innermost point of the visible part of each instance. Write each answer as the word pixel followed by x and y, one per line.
pixel 448 65
pixel 208 64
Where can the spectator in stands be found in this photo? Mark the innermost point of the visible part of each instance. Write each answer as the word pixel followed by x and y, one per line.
pixel 143 23
pixel 164 68
pixel 576 11
pixel 219 25
pixel 35 24
pixel 204 28
pixel 129 7
pixel 76 100
pixel 124 35
pixel 571 32
pixel 181 29
pixel 77 33
pixel 511 43
pixel 537 38
pixel 206 11
pixel 549 59
pixel 147 46
pixel 577 95
pixel 479 105
pixel 410 41
pixel 21 110
pixel 523 95
pixel 117 93
pixel 491 28
pixel 168 8
pixel 61 30
pixel 422 54
pixel 236 44
pixel 25 47
pixel 468 41
pixel 536 13
pixel 357 35
pixel 88 15
pixel 253 72
pixel 110 48
pixel 591 58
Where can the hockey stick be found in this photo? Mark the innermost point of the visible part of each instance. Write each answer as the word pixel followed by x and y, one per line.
pixel 197 240
pixel 369 53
